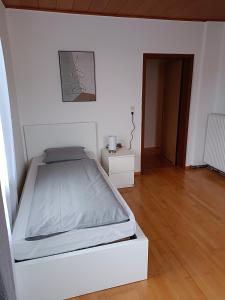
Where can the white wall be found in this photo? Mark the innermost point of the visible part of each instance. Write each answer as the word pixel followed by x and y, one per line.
pixel 210 76
pixel 15 171
pixel 119 43
pixel 220 92
pixel 8 196
pixel 7 283
pixel 7 154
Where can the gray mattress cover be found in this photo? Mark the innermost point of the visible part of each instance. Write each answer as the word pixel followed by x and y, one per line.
pixel 71 195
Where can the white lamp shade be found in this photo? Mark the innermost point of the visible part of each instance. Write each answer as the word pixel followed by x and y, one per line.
pixel 112 143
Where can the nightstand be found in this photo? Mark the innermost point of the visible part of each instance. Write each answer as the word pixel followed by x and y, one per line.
pixel 119 166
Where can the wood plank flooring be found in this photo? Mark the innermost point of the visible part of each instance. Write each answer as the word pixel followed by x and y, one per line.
pixel 183 214
pixel 153 160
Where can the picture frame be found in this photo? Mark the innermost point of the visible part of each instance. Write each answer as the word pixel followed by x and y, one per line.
pixel 77 74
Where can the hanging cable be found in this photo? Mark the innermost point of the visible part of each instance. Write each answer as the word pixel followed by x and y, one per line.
pixel 132 131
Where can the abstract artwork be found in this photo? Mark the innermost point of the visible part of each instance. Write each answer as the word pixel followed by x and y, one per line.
pixel 77 71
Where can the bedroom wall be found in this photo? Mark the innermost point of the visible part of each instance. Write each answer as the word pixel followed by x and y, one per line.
pixel 7 284
pixel 220 92
pixel 16 170
pixel 119 44
pixel 10 123
pixel 210 76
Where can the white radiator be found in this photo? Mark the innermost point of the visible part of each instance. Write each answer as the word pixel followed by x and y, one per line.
pixel 214 154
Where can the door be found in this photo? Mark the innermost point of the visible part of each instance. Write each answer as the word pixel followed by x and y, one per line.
pixel 170 115
pixel 178 94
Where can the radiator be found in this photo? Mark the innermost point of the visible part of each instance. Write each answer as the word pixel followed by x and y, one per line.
pixel 214 154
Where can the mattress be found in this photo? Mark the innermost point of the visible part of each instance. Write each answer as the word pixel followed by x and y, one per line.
pixel 68 241
pixel 71 195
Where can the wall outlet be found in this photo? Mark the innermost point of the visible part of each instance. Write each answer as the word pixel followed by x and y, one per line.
pixel 132 108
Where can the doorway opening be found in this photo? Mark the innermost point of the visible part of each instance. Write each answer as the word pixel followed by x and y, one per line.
pixel 166 93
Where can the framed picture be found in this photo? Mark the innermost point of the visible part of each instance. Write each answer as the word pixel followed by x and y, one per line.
pixel 77 72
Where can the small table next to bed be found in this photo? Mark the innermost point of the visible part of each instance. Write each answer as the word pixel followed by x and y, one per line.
pixel 119 166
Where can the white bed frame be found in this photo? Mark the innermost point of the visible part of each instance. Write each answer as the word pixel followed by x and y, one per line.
pixel 79 272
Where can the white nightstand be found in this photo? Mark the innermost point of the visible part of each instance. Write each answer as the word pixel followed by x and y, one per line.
pixel 119 166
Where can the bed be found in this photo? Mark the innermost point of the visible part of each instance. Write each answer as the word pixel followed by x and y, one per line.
pixel 65 265
pixel 71 240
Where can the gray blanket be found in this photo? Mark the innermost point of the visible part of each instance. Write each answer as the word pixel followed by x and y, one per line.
pixel 71 195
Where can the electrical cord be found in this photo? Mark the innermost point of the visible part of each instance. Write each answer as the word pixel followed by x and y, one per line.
pixel 133 129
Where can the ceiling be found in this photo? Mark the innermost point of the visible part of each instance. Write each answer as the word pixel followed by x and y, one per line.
pixel 199 10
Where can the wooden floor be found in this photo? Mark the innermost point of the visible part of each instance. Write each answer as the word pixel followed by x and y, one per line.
pixel 151 160
pixel 183 214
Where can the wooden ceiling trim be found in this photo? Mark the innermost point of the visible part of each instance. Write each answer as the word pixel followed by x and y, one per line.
pixel 155 7
pixel 81 5
pixel 64 5
pixel 114 6
pixel 32 3
pixel 98 6
pixel 184 10
pixel 130 7
pixel 12 2
pixel 48 4
pixel 171 9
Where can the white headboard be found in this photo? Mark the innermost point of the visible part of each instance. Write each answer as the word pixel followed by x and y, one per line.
pixel 42 136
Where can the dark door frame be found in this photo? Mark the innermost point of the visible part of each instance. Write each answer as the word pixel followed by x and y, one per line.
pixel 184 108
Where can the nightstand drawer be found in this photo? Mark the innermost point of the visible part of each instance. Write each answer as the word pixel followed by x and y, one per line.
pixel 121 180
pixel 121 164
